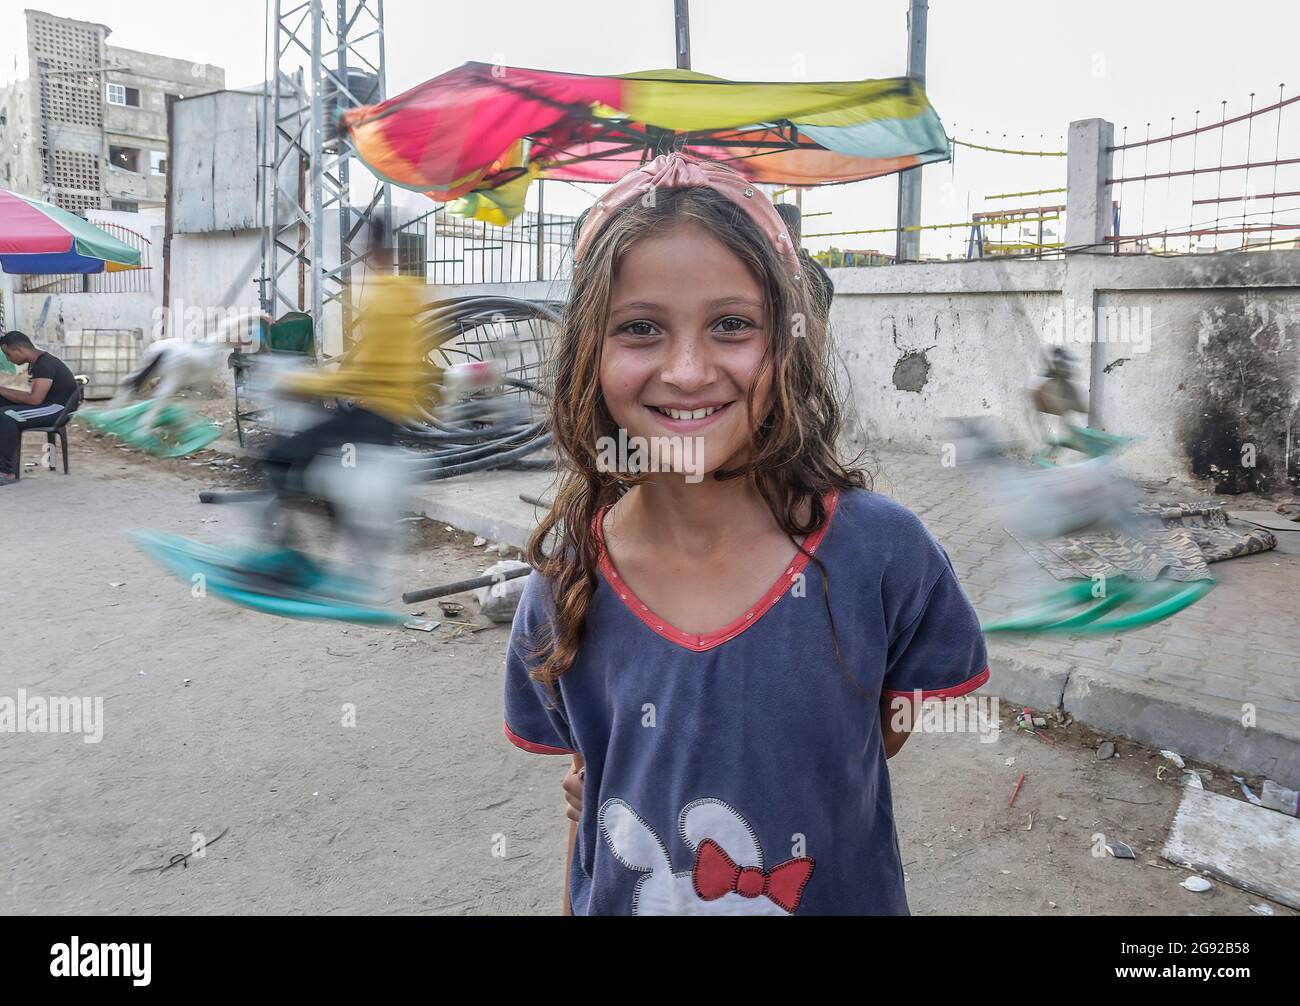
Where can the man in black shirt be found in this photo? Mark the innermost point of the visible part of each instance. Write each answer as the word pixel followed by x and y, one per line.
pixel 52 384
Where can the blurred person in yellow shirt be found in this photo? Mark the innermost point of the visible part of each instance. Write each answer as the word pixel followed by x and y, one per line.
pixel 382 378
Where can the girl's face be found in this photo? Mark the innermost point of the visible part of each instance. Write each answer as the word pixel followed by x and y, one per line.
pixel 687 332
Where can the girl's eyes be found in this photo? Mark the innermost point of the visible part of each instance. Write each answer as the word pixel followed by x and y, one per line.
pixel 732 325
pixel 735 325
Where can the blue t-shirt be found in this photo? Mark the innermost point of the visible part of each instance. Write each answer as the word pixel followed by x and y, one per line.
pixel 743 772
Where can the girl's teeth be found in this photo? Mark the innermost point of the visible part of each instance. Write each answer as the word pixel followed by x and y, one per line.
pixel 688 413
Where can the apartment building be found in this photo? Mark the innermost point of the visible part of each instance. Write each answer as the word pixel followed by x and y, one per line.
pixel 86 128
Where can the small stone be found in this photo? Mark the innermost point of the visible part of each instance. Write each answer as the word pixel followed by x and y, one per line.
pixel 1106 749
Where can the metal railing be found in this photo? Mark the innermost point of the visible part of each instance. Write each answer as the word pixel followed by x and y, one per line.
pixel 1010 230
pixel 1218 190
pixel 455 250
pixel 137 280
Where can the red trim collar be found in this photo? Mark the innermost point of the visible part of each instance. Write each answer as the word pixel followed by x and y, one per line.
pixel 695 641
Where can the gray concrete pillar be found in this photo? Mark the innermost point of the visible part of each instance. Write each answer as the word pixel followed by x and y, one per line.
pixel 1087 225
pixel 1087 194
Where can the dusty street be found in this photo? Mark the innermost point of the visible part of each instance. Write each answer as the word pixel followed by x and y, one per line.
pixel 220 718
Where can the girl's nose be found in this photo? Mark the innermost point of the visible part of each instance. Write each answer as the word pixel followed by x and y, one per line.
pixel 688 365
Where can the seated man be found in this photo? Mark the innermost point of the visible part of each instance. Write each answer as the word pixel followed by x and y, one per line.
pixel 52 384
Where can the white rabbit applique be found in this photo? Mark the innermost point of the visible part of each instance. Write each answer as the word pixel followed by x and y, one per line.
pixel 727 876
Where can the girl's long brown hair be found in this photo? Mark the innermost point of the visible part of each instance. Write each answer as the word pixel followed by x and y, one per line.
pixel 793 457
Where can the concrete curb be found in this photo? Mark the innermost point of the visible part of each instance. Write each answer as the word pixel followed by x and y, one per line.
pixel 1214 735
pixel 1026 684
pixel 465 518
pixel 1118 705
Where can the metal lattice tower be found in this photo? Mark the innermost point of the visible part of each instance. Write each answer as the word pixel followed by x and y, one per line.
pixel 321 54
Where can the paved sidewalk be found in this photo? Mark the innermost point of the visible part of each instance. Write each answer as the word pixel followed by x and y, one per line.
pixel 1186 683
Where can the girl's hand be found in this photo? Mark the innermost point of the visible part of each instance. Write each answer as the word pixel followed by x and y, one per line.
pixel 574 782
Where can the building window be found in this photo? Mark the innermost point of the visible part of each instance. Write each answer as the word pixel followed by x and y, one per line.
pixel 411 254
pixel 126 206
pixel 120 94
pixel 157 162
pixel 126 158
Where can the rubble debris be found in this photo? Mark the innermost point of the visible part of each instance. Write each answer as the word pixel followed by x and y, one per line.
pixel 1245 790
pixel 1174 757
pixel 498 601
pixel 1019 783
pixel 1250 847
pixel 1276 797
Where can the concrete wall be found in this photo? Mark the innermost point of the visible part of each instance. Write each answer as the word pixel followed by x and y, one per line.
pixel 1223 371
pixel 1198 356
pixel 212 274
pixel 923 342
pixel 20 162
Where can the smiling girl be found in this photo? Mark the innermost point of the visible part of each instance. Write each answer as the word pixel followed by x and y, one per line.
pixel 726 657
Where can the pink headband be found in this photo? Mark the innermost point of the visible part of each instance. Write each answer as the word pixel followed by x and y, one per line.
pixel 681 171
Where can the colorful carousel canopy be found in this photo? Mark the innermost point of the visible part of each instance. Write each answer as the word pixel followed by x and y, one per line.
pixel 39 239
pixel 480 133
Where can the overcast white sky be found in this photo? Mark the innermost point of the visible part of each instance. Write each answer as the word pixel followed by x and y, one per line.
pixel 1023 68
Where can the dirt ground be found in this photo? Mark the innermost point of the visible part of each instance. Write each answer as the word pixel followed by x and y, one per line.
pixel 227 722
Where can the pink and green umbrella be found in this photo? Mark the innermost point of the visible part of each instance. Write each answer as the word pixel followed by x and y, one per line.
pixel 479 134
pixel 39 239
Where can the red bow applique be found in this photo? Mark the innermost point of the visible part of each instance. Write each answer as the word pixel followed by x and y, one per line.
pixel 715 874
